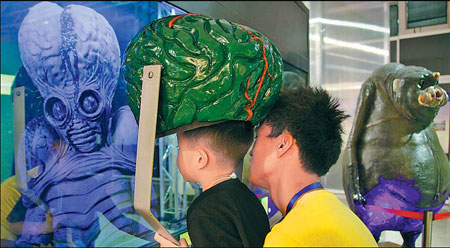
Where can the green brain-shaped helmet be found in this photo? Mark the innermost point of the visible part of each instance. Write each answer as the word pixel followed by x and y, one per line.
pixel 212 70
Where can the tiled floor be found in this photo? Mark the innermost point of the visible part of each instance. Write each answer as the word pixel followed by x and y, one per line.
pixel 440 231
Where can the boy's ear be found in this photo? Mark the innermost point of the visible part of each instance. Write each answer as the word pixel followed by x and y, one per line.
pixel 285 142
pixel 201 158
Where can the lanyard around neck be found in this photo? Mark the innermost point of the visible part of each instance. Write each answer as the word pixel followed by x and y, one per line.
pixel 306 189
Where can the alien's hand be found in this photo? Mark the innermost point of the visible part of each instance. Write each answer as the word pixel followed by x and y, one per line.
pixel 359 199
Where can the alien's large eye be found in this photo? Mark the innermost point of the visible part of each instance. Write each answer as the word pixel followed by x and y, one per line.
pixel 90 103
pixel 56 109
pixel 421 83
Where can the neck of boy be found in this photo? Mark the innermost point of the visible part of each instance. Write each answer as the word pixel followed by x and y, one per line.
pixel 287 185
pixel 216 179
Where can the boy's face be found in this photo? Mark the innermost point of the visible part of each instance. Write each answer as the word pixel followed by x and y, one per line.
pixel 261 156
pixel 185 157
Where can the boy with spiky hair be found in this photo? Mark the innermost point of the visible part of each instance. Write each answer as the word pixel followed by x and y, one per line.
pixel 227 213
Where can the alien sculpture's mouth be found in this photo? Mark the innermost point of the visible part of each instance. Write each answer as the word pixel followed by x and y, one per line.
pixel 432 96
pixel 85 139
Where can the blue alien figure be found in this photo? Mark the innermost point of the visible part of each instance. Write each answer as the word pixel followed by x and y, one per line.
pixel 37 148
pixel 73 58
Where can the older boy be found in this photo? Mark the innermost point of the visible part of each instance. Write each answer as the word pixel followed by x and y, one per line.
pixel 298 142
pixel 227 213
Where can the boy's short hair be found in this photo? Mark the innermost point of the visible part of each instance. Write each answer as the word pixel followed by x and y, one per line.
pixel 313 119
pixel 231 139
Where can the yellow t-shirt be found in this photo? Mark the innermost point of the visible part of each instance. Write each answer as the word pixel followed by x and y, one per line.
pixel 320 219
pixel 10 196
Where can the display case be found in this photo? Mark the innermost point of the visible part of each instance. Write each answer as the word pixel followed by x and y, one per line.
pixel 68 135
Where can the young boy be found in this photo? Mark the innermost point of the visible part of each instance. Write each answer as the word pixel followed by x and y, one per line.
pixel 227 213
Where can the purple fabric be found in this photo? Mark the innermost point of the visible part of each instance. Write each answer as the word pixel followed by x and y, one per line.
pixel 272 208
pixel 399 194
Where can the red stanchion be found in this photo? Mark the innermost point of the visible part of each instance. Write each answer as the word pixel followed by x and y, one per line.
pixel 417 215
pixel 442 216
pixel 427 217
pixel 407 214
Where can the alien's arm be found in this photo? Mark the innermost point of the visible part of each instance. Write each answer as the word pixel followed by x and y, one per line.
pixel 365 101
pixel 37 222
pixel 124 132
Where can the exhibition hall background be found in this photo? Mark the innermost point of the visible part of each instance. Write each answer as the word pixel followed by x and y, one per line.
pixel 334 45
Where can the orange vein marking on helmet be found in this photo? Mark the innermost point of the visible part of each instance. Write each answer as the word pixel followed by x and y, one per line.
pixel 249 112
pixel 271 78
pixel 247 108
pixel 261 78
pixel 246 91
pixel 171 22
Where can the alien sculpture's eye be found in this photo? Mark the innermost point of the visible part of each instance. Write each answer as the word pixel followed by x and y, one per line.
pixel 89 102
pixel 421 83
pixel 56 109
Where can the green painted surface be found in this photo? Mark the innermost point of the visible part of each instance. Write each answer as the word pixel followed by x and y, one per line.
pixel 7 137
pixel 10 59
pixel 111 236
pixel 206 66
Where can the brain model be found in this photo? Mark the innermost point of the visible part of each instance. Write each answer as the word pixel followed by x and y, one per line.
pixel 212 70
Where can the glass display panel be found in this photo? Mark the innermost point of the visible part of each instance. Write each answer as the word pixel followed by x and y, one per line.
pixel 302 74
pixel 433 56
pixel 393 51
pixel 393 19
pixel 344 55
pixel 68 135
pixel 426 13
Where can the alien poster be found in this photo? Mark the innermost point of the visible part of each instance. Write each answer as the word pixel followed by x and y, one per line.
pixel 80 135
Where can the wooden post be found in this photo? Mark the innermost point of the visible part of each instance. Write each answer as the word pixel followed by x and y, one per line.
pixel 146 148
pixel 19 145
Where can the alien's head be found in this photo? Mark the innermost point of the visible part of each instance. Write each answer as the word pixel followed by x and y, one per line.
pixel 73 57
pixel 416 94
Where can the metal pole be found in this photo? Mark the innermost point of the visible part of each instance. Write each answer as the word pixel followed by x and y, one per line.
pixel 184 199
pixel 177 193
pixel 427 226
pixel 161 178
